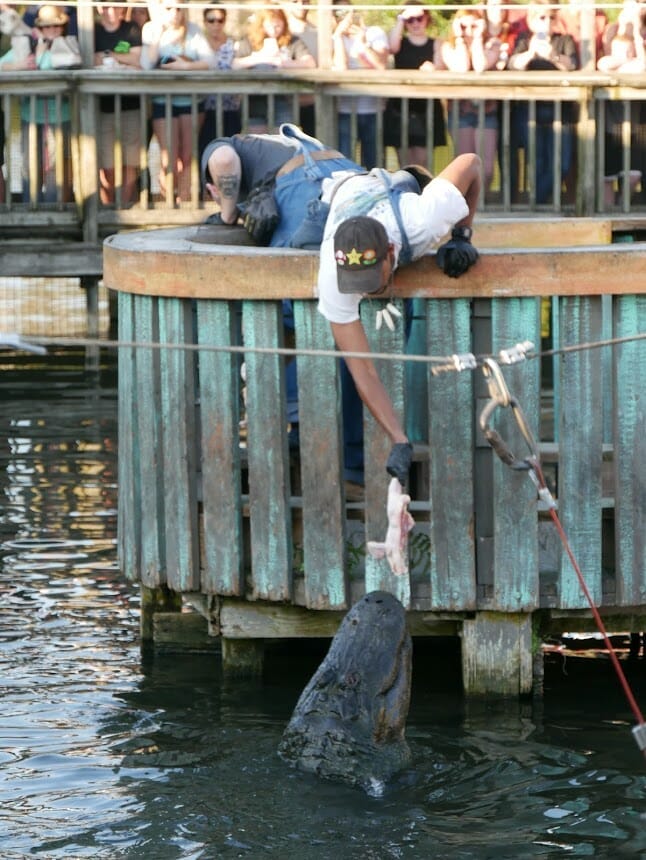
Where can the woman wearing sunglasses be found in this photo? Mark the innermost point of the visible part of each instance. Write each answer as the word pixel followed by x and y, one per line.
pixel 413 48
pixel 214 19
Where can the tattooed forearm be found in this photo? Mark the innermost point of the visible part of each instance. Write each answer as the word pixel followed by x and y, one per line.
pixel 228 185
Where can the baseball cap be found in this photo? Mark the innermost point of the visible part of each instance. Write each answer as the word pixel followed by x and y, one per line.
pixel 360 246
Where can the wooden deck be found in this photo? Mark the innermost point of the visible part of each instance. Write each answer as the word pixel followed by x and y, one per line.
pixel 265 544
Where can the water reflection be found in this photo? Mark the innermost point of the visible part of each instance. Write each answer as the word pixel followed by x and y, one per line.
pixel 104 755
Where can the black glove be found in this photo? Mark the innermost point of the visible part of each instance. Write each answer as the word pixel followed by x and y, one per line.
pixel 399 460
pixel 260 213
pixel 458 254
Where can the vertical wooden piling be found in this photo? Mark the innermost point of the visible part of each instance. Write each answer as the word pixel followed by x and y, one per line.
pixel 497 656
pixel 243 658
pixel 155 600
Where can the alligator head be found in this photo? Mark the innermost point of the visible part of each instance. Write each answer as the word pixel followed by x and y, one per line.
pixel 350 720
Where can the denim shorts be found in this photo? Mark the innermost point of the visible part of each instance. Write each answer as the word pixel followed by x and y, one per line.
pixel 159 110
pixel 470 120
pixel 297 194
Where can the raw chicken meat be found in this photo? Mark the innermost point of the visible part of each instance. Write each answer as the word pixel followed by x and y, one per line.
pixel 400 522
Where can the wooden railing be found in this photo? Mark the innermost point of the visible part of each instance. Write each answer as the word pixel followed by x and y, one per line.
pixel 585 193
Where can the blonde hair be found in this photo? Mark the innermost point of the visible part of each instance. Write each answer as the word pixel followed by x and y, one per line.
pixel 469 11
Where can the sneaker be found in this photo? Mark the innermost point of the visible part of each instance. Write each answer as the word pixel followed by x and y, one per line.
pixel 216 218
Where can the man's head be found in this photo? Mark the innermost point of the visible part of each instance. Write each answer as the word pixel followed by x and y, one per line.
pixel 363 255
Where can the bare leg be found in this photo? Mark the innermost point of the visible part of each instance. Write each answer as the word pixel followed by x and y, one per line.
pixel 159 130
pixel 107 185
pixel 184 153
pixel 225 170
pixel 418 155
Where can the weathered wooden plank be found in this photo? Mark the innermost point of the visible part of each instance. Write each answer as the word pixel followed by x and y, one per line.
pixel 219 392
pixel 50 259
pixel 269 485
pixel 129 512
pixel 555 232
pixel 581 438
pixel 246 620
pixel 514 500
pixel 630 452
pixel 416 374
pixel 321 461
pixel 377 446
pixel 147 397
pixel 450 399
pixel 182 631
pixel 178 422
pixel 497 654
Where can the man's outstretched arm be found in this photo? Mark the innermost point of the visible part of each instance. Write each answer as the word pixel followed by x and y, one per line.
pixel 351 337
pixel 457 255
pixel 465 172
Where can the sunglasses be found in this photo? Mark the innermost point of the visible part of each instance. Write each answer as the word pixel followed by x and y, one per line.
pixel 417 19
pixel 215 19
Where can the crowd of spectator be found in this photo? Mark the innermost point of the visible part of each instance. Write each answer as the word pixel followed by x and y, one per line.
pixel 475 38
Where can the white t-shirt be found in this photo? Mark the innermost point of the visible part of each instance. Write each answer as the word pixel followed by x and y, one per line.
pixel 427 217
pixel 378 41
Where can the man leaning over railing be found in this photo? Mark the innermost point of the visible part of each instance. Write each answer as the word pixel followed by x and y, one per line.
pixel 367 235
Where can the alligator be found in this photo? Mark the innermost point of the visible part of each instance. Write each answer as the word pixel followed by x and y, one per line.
pixel 349 723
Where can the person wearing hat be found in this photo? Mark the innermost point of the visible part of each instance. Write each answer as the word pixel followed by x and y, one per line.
pixel 33 12
pixel 53 50
pixel 363 244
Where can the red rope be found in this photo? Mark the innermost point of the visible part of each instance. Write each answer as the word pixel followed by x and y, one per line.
pixel 595 612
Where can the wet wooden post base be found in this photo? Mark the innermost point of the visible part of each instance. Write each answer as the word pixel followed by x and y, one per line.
pixel 243 658
pixel 90 284
pixel 153 601
pixel 497 655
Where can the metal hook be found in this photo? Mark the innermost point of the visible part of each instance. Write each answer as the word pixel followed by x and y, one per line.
pixel 500 396
pixel 496 384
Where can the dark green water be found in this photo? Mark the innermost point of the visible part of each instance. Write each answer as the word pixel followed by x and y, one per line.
pixel 105 756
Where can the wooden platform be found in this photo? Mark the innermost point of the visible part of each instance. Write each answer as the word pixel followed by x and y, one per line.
pixel 263 545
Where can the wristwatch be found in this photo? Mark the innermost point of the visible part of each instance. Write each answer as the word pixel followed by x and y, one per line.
pixel 463 232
